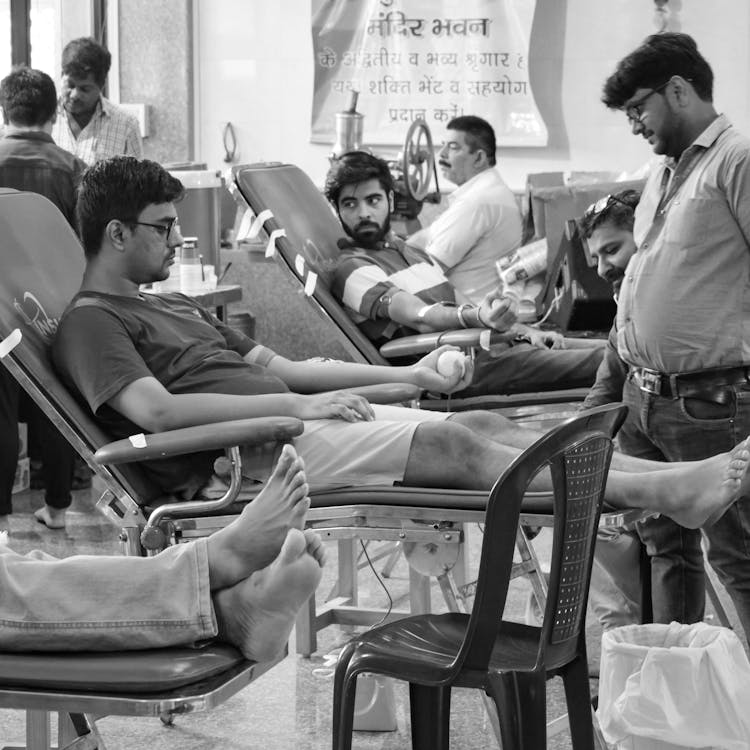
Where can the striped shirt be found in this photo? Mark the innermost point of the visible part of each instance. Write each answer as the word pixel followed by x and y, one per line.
pixel 363 276
pixel 110 132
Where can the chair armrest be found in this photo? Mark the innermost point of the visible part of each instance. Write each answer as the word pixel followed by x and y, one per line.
pixel 388 393
pixel 464 338
pixel 213 436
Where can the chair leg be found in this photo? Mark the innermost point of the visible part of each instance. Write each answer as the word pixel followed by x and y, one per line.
pixel 578 697
pixel 521 700
pixel 430 717
pixel 344 696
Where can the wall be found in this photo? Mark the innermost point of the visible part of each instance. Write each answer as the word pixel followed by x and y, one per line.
pixel 255 71
pixel 156 68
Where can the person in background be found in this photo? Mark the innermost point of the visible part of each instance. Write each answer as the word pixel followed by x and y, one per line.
pixel 243 585
pixel 483 220
pixel 674 552
pixel 30 160
pixel 88 124
pixel 683 313
pixel 391 289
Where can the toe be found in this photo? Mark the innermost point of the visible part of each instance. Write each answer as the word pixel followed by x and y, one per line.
pixel 293 547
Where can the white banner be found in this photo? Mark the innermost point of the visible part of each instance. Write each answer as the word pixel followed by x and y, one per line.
pixel 425 59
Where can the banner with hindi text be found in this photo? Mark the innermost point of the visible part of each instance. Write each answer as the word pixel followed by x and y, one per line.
pixel 429 59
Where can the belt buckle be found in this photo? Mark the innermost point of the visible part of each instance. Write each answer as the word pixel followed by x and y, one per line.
pixel 649 381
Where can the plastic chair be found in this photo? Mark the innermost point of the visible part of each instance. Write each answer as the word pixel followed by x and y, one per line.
pixel 509 661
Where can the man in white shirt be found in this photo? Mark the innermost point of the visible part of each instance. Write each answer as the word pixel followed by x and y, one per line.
pixel 89 125
pixel 482 222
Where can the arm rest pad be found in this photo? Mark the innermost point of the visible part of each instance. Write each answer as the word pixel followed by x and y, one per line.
pixel 200 438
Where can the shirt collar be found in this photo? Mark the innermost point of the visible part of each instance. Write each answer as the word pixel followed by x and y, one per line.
pixel 31 135
pixel 485 174
pixel 706 139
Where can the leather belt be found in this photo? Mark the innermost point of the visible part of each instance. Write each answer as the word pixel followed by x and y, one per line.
pixel 709 385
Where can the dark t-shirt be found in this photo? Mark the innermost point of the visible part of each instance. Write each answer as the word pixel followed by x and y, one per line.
pixel 32 161
pixel 105 342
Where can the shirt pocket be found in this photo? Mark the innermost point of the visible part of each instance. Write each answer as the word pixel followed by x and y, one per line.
pixel 692 221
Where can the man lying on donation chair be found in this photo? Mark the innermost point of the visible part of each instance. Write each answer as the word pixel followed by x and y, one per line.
pixel 243 585
pixel 391 289
pixel 145 362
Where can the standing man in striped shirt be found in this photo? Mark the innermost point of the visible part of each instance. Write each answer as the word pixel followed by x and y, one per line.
pixel 89 125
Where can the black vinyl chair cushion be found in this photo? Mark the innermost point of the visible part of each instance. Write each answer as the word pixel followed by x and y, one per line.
pixel 146 671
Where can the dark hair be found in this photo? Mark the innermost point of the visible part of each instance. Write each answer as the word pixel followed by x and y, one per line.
pixel 660 57
pixel 120 188
pixel 479 134
pixel 28 97
pixel 355 167
pixel 617 209
pixel 85 55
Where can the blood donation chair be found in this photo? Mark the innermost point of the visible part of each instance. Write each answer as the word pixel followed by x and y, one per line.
pixel 302 233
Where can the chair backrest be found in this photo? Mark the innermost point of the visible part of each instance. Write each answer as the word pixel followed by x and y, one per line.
pixel 577 453
pixel 43 263
pixel 312 231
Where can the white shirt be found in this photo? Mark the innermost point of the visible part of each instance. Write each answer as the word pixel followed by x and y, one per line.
pixel 481 224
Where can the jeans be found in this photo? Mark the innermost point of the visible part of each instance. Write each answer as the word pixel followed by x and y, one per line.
pixel 105 603
pixel 689 429
pixel 615 593
pixel 56 453
pixel 524 368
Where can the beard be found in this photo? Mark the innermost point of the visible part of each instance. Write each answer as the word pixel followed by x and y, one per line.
pixel 369 233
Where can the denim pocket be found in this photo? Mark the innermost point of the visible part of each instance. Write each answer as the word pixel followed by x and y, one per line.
pixel 698 408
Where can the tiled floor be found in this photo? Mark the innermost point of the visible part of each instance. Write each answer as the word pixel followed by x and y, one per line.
pixel 288 708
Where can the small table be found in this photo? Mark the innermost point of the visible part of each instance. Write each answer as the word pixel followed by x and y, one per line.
pixel 218 298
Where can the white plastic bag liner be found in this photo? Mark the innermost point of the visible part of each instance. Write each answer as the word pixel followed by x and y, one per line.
pixel 674 686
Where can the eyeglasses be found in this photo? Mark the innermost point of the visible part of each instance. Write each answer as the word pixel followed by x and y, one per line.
pixel 164 229
pixel 634 111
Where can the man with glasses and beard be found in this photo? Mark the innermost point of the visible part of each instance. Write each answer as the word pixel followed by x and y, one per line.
pixel 683 318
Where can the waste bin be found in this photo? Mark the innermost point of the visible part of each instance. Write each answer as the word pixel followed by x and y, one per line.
pixel 199 210
pixel 670 687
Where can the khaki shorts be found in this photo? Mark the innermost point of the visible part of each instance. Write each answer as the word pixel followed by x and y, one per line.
pixel 343 454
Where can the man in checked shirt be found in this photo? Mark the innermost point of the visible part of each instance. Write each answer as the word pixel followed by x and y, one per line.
pixel 89 125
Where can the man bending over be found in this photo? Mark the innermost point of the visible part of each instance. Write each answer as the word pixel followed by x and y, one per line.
pixel 157 362
pixel 391 289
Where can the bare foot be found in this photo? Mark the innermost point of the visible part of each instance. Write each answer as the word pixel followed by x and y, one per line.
pixel 52 518
pixel 257 614
pixel 255 537
pixel 701 494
